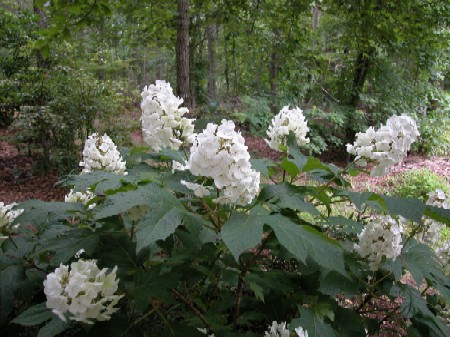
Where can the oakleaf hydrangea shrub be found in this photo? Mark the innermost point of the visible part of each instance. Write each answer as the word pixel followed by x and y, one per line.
pixel 380 239
pixel 83 291
pixel 101 154
pixel 208 242
pixel 286 121
pixel 219 152
pixel 163 124
pixel 8 214
pixel 81 196
pixel 385 146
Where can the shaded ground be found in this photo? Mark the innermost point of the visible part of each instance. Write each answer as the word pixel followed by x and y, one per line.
pixel 18 182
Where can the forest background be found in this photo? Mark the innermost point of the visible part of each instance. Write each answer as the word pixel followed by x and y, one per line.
pixel 70 67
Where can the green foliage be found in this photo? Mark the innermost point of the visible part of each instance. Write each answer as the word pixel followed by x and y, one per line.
pixel 255 114
pixel 186 263
pixel 434 127
pixel 325 130
pixel 417 183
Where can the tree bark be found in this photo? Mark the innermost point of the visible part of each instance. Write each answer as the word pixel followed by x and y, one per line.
pixel 182 52
pixel 210 36
pixel 316 14
pixel 144 68
pixel 41 62
pixel 273 69
pixel 227 68
pixel 362 65
pixel 273 73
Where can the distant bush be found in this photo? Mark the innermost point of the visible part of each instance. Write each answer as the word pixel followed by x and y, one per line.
pixel 417 184
pixel 255 114
pixel 325 130
pixel 434 127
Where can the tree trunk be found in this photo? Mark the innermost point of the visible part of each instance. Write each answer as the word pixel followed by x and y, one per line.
pixel 362 64
pixel 273 70
pixel 182 52
pixel 360 72
pixel 227 69
pixel 144 68
pixel 234 68
pixel 210 36
pixel 316 14
pixel 273 73
pixel 41 62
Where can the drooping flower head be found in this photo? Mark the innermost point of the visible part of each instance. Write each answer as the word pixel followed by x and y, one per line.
pixel 287 120
pixel 219 152
pixel 432 227
pixel 101 154
pixel 386 146
pixel 277 330
pixel 83 197
pixel 444 254
pixel 163 124
pixel 381 237
pixel 83 291
pixel 280 330
pixel 7 215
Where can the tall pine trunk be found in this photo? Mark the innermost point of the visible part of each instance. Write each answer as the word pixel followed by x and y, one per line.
pixel 182 52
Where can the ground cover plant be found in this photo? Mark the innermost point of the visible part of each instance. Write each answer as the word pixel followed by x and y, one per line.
pixel 189 236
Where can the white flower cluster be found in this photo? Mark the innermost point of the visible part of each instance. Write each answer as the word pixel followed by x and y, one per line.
pixel 205 332
pixel 163 124
pixel 84 291
pixel 7 216
pixel 381 237
pixel 83 197
pixel 220 153
pixel 433 227
pixel 386 146
pixel 101 154
pixel 444 254
pixel 279 330
pixel 287 120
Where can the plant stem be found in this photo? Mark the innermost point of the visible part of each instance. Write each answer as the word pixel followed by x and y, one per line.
pixel 241 282
pixel 140 319
pixel 191 306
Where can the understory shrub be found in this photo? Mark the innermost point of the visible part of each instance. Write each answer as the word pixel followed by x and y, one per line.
pixel 255 114
pixel 417 183
pixel 199 239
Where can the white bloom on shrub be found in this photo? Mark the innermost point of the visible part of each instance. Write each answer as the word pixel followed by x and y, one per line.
pixel 219 152
pixel 381 237
pixel 205 332
pixel 444 254
pixel 101 154
pixel 301 332
pixel 280 330
pixel 7 215
pixel 386 146
pixel 163 124
pixel 433 227
pixel 277 330
pixel 84 292
pixel 199 190
pixel 82 197
pixel 287 120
